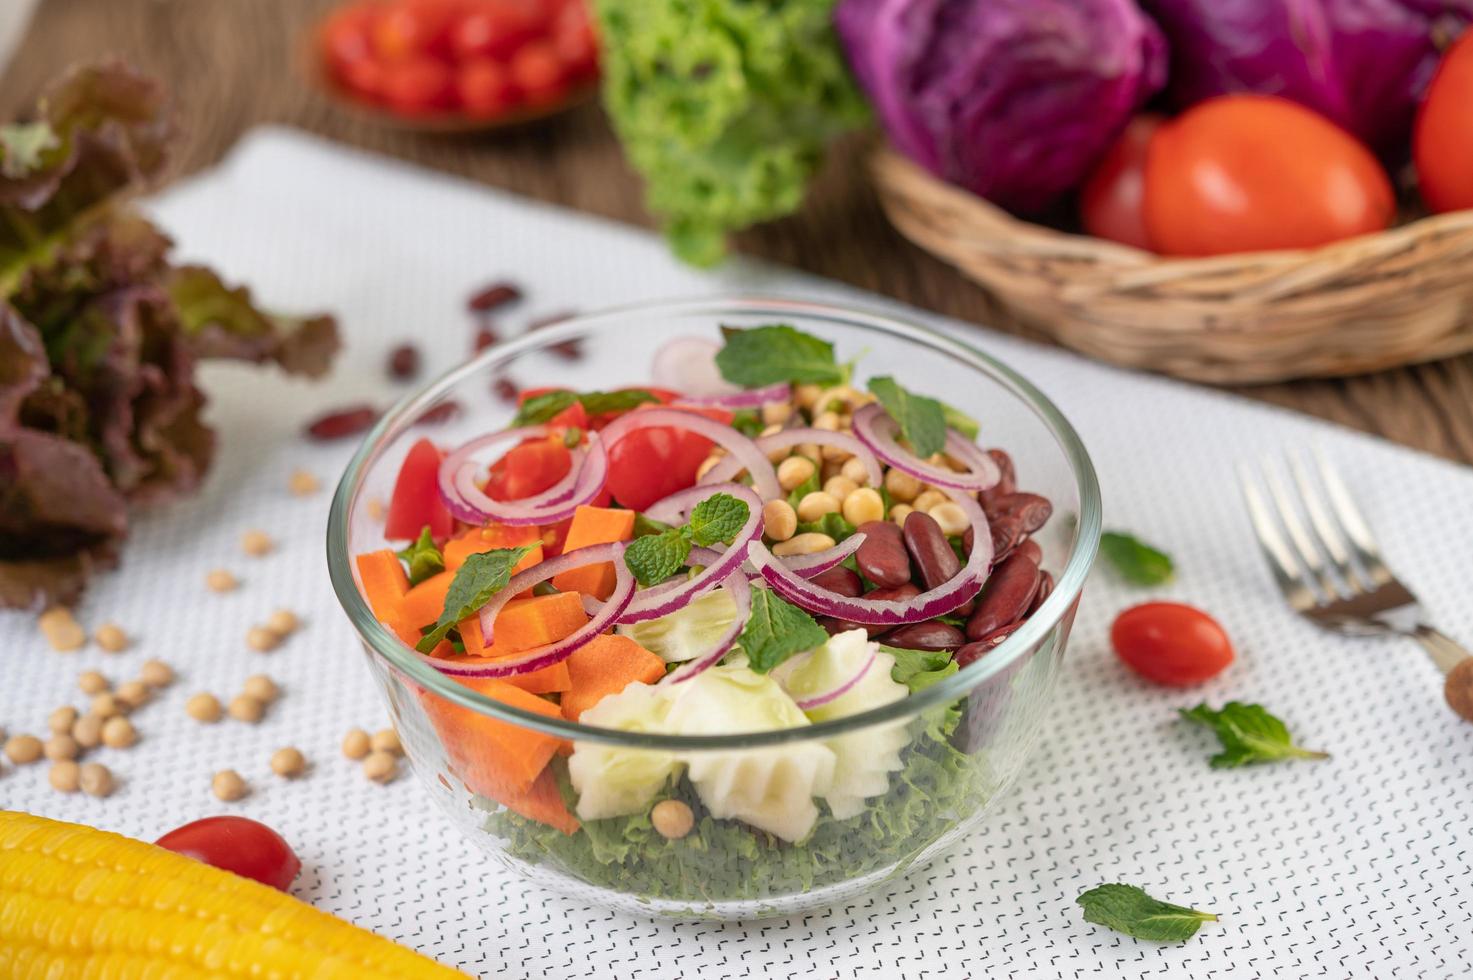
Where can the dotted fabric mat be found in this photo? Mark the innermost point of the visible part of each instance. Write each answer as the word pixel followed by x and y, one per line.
pixel 1358 866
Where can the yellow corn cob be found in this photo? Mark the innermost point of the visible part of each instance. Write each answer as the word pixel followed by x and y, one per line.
pixel 79 902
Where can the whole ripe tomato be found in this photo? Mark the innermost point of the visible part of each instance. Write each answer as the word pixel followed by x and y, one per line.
pixel 1112 200
pixel 1442 142
pixel 413 28
pixel 238 845
pixel 1242 173
pixel 346 37
pixel 538 73
pixel 1171 643
pixel 484 86
pixel 419 85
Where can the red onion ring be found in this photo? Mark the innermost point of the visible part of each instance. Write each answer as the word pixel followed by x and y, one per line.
pixel 764 478
pixel 820 561
pixel 468 502
pixel 886 612
pixel 753 398
pixel 833 694
pixel 689 364
pixel 730 466
pixel 550 653
pixel 667 597
pixel 876 429
pixel 741 593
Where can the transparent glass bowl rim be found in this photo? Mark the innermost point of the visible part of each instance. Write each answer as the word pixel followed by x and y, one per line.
pixel 400 658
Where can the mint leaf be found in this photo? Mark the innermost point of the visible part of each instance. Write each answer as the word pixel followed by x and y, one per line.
pixel 834 524
pixel 919 669
pixel 921 419
pixel 541 408
pixel 776 630
pixel 599 402
pixel 960 421
pixel 481 577
pixel 772 354
pixel 423 557
pixel 718 519
pixel 1128 909
pixel 1136 561
pixel 1248 734
pixel 656 557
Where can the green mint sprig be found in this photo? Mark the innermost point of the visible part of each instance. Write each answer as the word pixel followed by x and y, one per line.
pixel 716 520
pixel 423 558
pixel 542 408
pixel 1136 561
pixel 772 354
pixel 481 577
pixel 1248 734
pixel 922 420
pixel 776 630
pixel 1128 909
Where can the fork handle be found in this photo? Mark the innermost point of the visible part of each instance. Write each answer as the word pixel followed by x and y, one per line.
pixel 1443 650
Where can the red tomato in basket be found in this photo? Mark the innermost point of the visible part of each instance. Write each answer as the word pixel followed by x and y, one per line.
pixel 491 30
pixel 1442 143
pixel 416 499
pixel 346 37
pixel 413 28
pixel 1111 204
pixel 419 85
pixel 1171 643
pixel 1243 173
pixel 538 73
pixel 574 40
pixel 484 87
pixel 238 845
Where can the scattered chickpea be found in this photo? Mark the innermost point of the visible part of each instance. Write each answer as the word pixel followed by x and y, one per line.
pixel 132 694
pixel 802 544
pixel 806 395
pixel 23 749
pixel 779 520
pixel 156 674
pixel 260 687
pixel 203 707
pixel 92 682
pixel 228 786
pixel 283 622
pixel 900 512
pixel 387 740
pixel 381 767
pixel 119 733
pixel 245 708
pixel 776 413
pixel 855 471
pixel 96 779
pixel 256 543
pixel 902 487
pixel 375 509
pixel 65 776
pixel 356 744
pixel 88 731
pixel 929 499
pixel 816 504
pixel 61 747
pixel 839 487
pixel 673 819
pixel 220 580
pixel 105 705
pixel 288 762
pixel 111 638
pixel 62 630
pixel 794 471
pixel 303 484
pixel 261 639
pixel 864 505
pixel 828 421
pixel 62 719
pixel 951 518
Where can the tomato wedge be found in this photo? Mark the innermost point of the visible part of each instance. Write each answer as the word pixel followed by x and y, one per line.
pixel 416 501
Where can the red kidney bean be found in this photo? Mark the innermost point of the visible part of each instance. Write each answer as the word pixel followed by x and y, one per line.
pixel 497 294
pixel 1045 589
pixel 404 362
pixel 1005 596
pixel 927 544
pixel 841 580
pixel 1030 548
pixel 343 423
pixel 506 389
pixel 974 651
pixel 900 592
pixel 1006 533
pixel 1007 483
pixel 931 635
pixel 485 337
pixel 443 412
pixel 883 558
pixel 1029 509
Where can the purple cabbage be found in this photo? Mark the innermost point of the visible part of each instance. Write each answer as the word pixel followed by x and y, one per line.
pixel 1361 63
pixel 1013 99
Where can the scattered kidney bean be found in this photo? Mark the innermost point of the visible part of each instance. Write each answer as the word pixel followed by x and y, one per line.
pixel 1029 509
pixel 927 544
pixel 404 362
pixel 974 651
pixel 1030 548
pixel 1045 589
pixel 485 337
pixel 1005 596
pixel 1007 484
pixel 883 558
pixel 841 580
pixel 931 635
pixel 443 412
pixel 343 423
pixel 497 294
pixel 505 388
pixel 570 350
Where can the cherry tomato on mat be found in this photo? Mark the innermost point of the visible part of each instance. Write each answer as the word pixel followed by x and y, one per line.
pixel 238 845
pixel 1171 643
pixel 1112 201
pixel 1442 143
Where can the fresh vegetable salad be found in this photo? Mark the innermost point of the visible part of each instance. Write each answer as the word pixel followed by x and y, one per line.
pixel 754 543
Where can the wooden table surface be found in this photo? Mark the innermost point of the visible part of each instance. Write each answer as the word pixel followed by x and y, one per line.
pixel 232 65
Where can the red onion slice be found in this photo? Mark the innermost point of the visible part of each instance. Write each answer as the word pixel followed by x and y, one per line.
pixel 551 653
pixel 885 612
pixel 753 398
pixel 877 430
pixel 833 694
pixel 740 448
pixel 741 594
pixel 468 502
pixel 820 561
pixel 730 466
pixel 689 364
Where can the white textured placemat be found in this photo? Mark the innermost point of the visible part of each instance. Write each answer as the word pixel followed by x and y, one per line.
pixel 1358 866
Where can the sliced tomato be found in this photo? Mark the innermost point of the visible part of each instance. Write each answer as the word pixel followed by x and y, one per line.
pixel 529 469
pixel 650 464
pixel 416 501
pixel 574 416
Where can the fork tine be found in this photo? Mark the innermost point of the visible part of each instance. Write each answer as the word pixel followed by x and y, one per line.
pixel 1352 523
pixel 1326 531
pixel 1304 548
pixel 1275 549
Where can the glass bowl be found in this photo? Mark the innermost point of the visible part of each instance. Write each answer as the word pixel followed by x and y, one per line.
pixel 962 741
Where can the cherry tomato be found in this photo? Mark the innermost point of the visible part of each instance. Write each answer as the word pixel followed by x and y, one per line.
pixel 1111 201
pixel 1242 173
pixel 539 73
pixel 1170 643
pixel 1442 143
pixel 416 499
pixel 365 77
pixel 529 468
pixel 346 37
pixel 652 463
pixel 574 40
pixel 484 87
pixel 413 28
pixel 419 85
pixel 489 31
pixel 238 845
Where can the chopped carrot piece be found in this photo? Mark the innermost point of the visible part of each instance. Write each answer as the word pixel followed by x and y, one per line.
pixel 481 539
pixel 384 581
pixel 495 758
pixel 542 802
pixel 604 666
pixel 527 623
pixel 594 525
pixel 544 681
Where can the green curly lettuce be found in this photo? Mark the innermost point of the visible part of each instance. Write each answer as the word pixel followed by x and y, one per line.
pixel 725 106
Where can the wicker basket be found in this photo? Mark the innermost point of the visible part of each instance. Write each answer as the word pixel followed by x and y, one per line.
pixel 1401 296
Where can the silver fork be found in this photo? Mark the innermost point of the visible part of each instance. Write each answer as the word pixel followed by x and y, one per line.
pixel 1331 570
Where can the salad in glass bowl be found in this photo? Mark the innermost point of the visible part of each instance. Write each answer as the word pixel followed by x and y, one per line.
pixel 733 615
